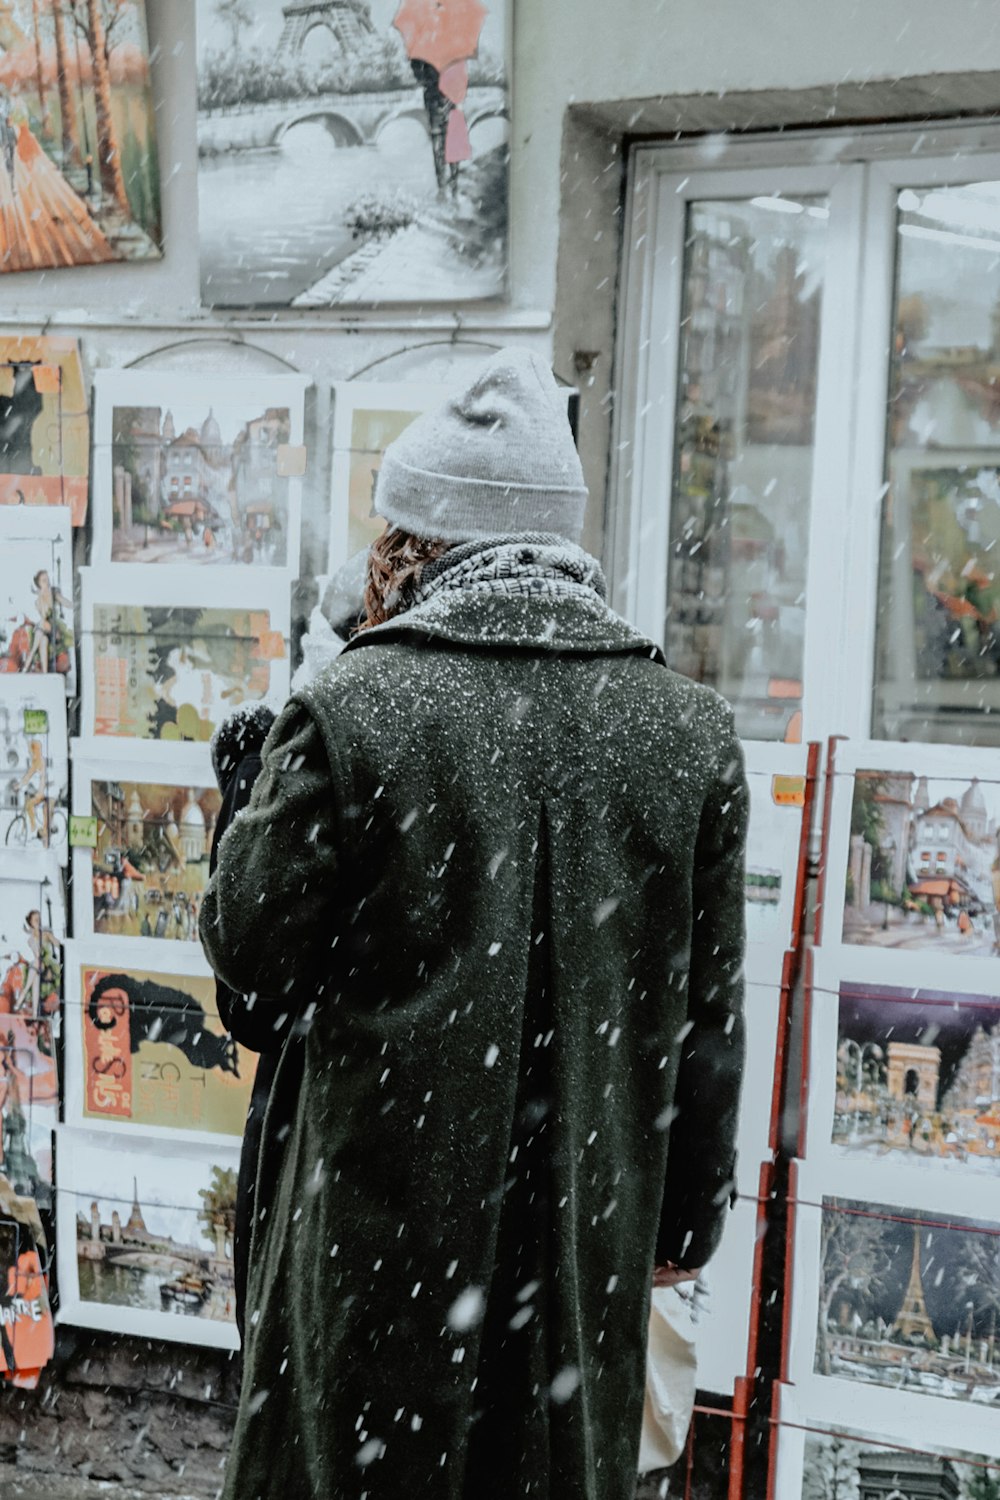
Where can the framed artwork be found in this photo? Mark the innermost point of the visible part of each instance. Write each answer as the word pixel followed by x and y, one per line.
pixel 80 184
pixel 144 1237
pixel 913 865
pixel 894 1304
pixel 198 471
pixel 34 764
pixel 160 665
pixel 32 931
pixel 815 1461
pixel 27 1339
pixel 145 872
pixel 145 1047
pixel 352 154
pixel 36 593
pixel 29 1104
pixel 908 1078
pixel 367 416
pixel 45 423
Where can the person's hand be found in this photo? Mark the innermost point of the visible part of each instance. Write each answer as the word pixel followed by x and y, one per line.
pixel 671 1275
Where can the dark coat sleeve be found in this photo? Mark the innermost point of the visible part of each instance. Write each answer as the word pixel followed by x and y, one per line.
pixel 702 1151
pixel 235 797
pixel 266 918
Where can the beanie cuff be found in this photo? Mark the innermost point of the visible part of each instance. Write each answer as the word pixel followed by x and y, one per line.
pixel 459 509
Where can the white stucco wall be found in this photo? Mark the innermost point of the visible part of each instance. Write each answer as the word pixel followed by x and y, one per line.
pixel 565 51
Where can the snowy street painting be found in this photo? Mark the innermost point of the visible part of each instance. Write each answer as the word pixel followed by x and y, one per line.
pixel 908 1302
pixel 923 869
pixel 918 1078
pixel 352 152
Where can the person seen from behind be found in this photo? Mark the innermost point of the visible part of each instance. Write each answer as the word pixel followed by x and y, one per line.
pixel 493 865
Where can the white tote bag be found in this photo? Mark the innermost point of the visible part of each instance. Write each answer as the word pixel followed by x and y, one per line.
pixel 671 1373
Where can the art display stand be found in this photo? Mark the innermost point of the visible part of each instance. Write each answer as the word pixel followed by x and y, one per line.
pixel 889 1371
pixel 783 781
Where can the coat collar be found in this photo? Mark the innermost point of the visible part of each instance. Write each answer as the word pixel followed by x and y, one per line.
pixel 583 626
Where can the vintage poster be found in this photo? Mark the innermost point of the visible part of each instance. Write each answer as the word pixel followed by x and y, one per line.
pixel 27 1338
pixel 34 764
pixel 144 1237
pixel 79 183
pixel 159 666
pixel 29 1104
pixel 917 1078
pixel 367 417
pixel 352 153
pixel 196 470
pixel 32 928
pixel 44 422
pixel 145 872
pixel 36 593
pixel 145 1046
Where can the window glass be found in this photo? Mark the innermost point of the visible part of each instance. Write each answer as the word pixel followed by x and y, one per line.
pixel 739 515
pixel 937 665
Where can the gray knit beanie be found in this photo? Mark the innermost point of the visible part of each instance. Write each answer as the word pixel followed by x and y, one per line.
pixel 497 459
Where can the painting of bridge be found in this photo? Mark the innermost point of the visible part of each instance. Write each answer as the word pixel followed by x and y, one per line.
pixel 336 166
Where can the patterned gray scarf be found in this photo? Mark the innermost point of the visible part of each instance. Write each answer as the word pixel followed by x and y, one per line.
pixel 537 563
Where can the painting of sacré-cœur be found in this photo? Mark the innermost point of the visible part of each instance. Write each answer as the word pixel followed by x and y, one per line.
pixel 79 182
pixel 353 151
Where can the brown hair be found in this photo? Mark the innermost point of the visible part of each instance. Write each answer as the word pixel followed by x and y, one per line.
pixel 394 565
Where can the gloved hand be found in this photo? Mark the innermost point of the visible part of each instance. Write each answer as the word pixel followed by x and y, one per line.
pixel 241 734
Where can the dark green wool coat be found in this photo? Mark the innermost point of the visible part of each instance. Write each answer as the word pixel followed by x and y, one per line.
pixel 495 860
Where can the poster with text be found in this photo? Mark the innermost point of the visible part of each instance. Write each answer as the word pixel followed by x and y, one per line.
pixel 29 1105
pixel 44 422
pixel 353 153
pixel 197 470
pixel 34 764
pixel 145 872
pixel 36 593
pixel 158 665
pixel 144 1238
pixel 146 1049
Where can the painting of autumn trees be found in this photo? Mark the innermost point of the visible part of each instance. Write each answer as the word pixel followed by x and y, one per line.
pixel 79 183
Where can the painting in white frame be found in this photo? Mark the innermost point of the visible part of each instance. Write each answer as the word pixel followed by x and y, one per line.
pixel 36 592
pixel 195 470
pixel 34 764
pixel 146 1049
pixel 144 1237
pixel 164 659
pixel 145 873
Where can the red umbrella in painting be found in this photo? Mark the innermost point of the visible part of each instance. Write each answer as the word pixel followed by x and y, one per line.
pixel 440 32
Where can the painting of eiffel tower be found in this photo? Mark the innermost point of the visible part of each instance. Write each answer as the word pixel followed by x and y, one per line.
pixel 909 1301
pixel 344 161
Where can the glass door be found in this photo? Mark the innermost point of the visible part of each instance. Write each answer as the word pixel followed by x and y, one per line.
pixel 807 474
